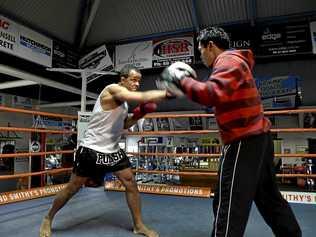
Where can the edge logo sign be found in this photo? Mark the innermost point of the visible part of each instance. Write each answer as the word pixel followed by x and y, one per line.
pixel 268 35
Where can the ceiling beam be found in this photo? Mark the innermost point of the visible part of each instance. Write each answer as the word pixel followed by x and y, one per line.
pixel 41 80
pixel 195 18
pixel 17 83
pixel 92 13
pixel 253 12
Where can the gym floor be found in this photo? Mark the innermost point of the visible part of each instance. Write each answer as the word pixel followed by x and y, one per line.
pixel 93 212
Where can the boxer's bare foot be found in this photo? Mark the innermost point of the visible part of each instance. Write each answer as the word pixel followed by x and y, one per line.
pixel 46 228
pixel 143 230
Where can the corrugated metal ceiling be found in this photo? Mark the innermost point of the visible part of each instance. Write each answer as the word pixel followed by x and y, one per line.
pixel 118 20
pixel 123 19
pixel 55 18
pixel 271 8
pixel 218 12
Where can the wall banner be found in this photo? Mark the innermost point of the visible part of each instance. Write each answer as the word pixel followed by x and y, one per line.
pixel 83 121
pixel 98 60
pixel 22 42
pixel 241 37
pixel 163 189
pixel 283 39
pixel 65 57
pixel 300 197
pixel 22 195
pixel 277 86
pixel 167 51
pixel 138 54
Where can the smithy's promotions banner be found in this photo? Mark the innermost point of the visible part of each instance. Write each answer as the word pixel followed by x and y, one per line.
pixel 313 35
pixel 170 50
pixel 22 42
pixel 138 54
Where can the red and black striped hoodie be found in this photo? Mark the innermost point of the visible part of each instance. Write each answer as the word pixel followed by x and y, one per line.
pixel 231 91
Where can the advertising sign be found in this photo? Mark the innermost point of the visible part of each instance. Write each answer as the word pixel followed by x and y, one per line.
pixel 22 195
pixel 278 92
pixel 300 197
pixel 277 86
pixel 22 42
pixel 138 54
pixel 97 60
pixel 241 37
pixel 167 51
pixel 65 57
pixel 163 189
pixel 283 39
pixel 83 121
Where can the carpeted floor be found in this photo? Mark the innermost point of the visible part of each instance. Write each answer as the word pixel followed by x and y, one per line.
pixel 94 213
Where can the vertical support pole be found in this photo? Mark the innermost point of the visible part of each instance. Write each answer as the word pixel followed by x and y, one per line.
pixel 83 91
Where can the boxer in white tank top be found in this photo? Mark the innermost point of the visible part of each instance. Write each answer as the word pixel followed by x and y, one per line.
pixel 99 152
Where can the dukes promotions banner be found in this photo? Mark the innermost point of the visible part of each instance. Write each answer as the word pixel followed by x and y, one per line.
pixel 22 42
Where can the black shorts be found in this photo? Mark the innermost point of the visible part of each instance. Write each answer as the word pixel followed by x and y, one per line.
pixel 93 164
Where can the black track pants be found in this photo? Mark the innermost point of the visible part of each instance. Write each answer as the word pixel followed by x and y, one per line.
pixel 246 174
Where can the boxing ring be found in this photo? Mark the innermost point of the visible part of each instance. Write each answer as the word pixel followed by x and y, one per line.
pixel 103 211
pixel 93 212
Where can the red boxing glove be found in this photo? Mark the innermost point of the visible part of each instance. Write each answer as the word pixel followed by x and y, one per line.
pixel 144 108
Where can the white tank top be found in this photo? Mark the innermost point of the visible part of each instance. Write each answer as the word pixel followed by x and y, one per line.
pixel 105 128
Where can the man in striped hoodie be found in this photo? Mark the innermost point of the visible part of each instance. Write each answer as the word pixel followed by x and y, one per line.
pixel 246 171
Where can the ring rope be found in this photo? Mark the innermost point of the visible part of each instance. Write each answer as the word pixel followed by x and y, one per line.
pixel 198 132
pixel 39 130
pixel 54 171
pixel 203 155
pixel 169 115
pixel 23 154
pixel 198 155
pixel 181 173
pixel 14 110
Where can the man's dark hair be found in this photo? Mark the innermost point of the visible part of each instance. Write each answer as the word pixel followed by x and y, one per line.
pixel 126 70
pixel 215 34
